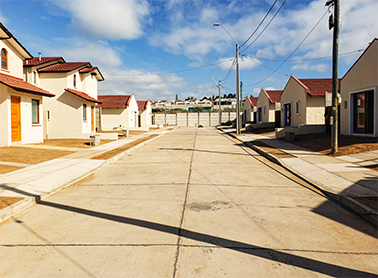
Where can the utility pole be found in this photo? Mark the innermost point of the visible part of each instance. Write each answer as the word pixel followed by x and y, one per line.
pixel 219 102
pixel 335 54
pixel 237 91
pixel 241 106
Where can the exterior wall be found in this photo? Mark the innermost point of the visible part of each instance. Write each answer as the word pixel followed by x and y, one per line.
pixel 314 110
pixel 114 118
pixel 363 76
pixel 89 85
pixel 146 116
pixel 269 108
pixel 293 92
pixel 14 60
pixel 133 112
pixel 65 109
pixel 30 133
pixel 191 119
pixel 248 111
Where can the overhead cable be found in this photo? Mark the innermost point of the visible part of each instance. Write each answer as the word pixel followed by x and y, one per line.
pixel 259 24
pixel 291 52
pixel 264 28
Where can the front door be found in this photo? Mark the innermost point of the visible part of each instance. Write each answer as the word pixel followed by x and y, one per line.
pixel 16 119
pixel 287 114
pixel 363 114
pixel 259 115
pixel 92 118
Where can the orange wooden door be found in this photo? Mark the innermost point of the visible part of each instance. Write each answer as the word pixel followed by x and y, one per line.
pixel 16 119
pixel 92 118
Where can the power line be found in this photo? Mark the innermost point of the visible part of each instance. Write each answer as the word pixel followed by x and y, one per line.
pixel 225 79
pixel 264 28
pixel 310 59
pixel 167 72
pixel 259 24
pixel 291 52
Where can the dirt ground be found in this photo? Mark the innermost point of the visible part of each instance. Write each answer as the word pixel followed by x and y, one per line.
pixel 116 151
pixel 321 142
pixel 71 143
pixel 7 201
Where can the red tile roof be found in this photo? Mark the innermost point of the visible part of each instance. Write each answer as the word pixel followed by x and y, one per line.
pixel 115 102
pixel 20 85
pixel 142 104
pixel 252 100
pixel 83 95
pixel 35 61
pixel 90 69
pixel 316 86
pixel 274 95
pixel 64 67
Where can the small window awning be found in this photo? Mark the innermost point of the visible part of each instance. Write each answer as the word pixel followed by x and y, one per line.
pixel 20 85
pixel 83 95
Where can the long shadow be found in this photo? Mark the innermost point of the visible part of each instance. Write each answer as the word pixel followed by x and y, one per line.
pixel 204 151
pixel 266 253
pixel 22 192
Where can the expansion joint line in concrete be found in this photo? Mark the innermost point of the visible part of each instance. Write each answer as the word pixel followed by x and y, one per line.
pixel 184 208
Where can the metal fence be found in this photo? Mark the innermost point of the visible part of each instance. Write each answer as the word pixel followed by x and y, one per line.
pixel 192 119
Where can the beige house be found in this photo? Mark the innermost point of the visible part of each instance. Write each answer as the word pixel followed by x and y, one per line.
pixel 118 112
pixel 358 90
pixel 267 103
pixel 303 101
pixel 145 113
pixel 250 109
pixel 21 103
pixel 71 113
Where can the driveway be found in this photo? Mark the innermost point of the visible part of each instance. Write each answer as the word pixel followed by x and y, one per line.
pixel 192 203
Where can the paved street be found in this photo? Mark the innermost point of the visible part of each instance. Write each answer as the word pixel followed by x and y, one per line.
pixel 192 203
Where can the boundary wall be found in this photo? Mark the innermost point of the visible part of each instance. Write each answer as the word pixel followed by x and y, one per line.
pixel 192 118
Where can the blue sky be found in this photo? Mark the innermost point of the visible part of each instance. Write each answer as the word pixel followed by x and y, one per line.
pixel 159 48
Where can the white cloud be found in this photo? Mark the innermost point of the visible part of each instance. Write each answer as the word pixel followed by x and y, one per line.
pixel 111 19
pixel 143 84
pixel 244 63
pixel 309 67
pixel 209 15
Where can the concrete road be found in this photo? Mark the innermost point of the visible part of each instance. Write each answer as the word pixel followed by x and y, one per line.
pixel 193 203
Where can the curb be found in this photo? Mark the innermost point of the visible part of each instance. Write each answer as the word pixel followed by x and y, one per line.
pixel 27 202
pixel 350 203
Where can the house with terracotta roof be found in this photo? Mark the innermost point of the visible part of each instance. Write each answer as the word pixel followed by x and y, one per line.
pixel 268 102
pixel 303 101
pixel 250 109
pixel 145 113
pixel 358 90
pixel 119 111
pixel 21 103
pixel 71 113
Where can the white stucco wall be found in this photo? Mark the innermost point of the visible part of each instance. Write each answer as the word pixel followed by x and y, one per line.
pixel 314 110
pixel 363 76
pixel 114 118
pixel 30 133
pixel 15 67
pixel 133 112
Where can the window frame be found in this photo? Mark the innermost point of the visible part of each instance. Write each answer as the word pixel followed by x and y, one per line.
pixel 37 114
pixel 297 107
pixel 84 112
pixel 74 80
pixel 5 58
pixel 35 77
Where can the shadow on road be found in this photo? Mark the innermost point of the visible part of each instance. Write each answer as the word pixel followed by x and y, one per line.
pixel 266 253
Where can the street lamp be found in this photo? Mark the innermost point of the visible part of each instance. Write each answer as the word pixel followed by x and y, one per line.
pixel 237 80
pixel 219 100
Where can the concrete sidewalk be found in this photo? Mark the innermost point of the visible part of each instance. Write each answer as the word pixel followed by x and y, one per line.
pixel 35 182
pixel 342 178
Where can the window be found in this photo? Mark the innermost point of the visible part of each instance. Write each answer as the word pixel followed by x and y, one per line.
pixel 35 111
pixel 4 59
pixel 264 109
pixel 35 77
pixel 84 112
pixel 297 107
pixel 74 80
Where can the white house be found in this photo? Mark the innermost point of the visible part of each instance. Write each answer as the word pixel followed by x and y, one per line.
pixel 358 90
pixel 118 111
pixel 71 113
pixel 267 104
pixel 145 113
pixel 21 103
pixel 250 109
